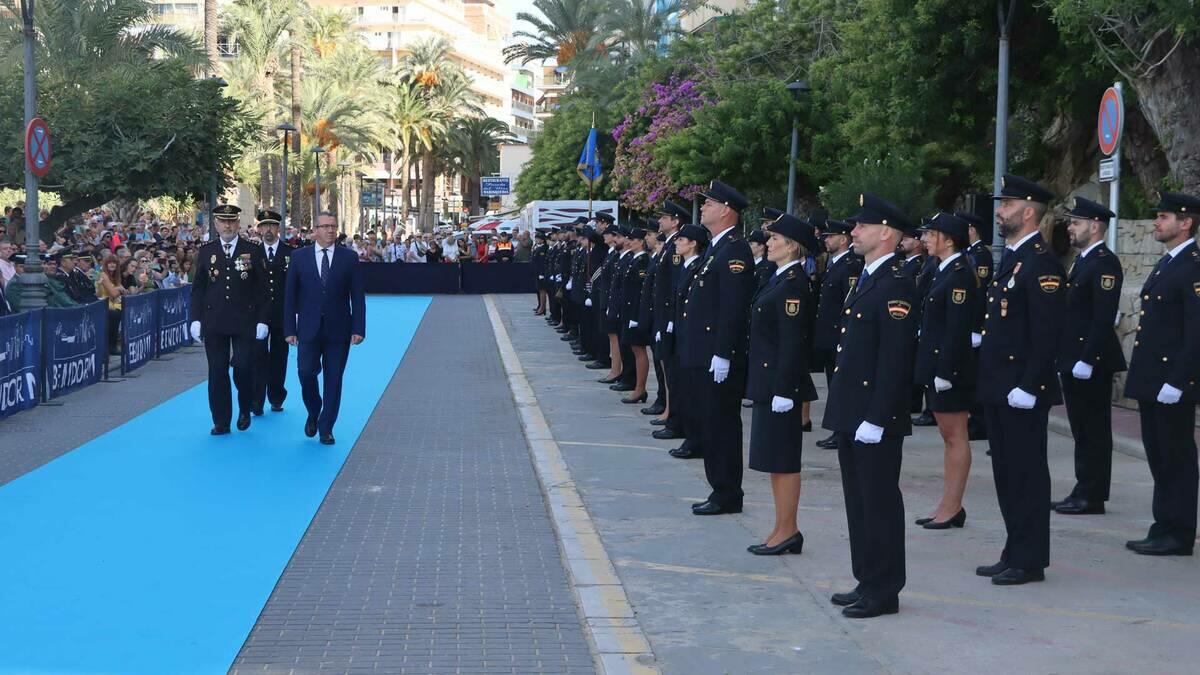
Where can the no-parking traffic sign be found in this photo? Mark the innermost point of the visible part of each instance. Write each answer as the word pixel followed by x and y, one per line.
pixel 37 147
pixel 1111 121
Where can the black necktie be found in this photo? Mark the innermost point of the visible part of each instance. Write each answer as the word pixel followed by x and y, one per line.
pixel 228 249
pixel 862 279
pixel 1162 264
pixel 324 263
pixel 271 255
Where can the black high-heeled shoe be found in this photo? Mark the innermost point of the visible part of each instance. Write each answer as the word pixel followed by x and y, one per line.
pixel 807 426
pixel 793 544
pixel 958 520
pixel 639 399
pixel 922 521
pixel 608 380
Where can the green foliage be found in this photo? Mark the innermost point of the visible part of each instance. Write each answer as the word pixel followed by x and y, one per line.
pixel 551 172
pixel 895 178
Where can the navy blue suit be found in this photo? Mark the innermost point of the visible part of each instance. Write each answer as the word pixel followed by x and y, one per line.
pixel 323 314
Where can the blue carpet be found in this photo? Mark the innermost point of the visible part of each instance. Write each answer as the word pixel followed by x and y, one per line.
pixel 153 548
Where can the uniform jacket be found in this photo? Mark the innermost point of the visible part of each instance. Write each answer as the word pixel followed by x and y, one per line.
pixel 603 285
pixel 631 286
pixel 717 305
pixel 1026 307
pixel 229 295
pixel 673 340
pixel 538 258
pixel 580 273
pixel 840 277
pixel 873 377
pixel 666 277
pixel 985 266
pixel 1093 296
pixel 334 309
pixel 563 273
pixel 276 281
pixel 612 308
pixel 944 349
pixel 646 312
pixel 779 340
pixel 1167 348
pixel 763 269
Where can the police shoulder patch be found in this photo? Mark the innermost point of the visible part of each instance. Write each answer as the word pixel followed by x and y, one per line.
pixel 642 273
pixel 898 309
pixel 737 266
pixel 1049 282
pixel 1108 281
pixel 676 259
pixel 853 280
pixel 791 306
pixel 1196 288
pixel 958 295
pixel 982 271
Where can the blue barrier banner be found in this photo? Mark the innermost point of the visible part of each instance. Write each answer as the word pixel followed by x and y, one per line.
pixel 75 338
pixel 20 362
pixel 173 311
pixel 138 328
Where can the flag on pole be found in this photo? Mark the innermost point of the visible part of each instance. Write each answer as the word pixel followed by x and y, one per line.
pixel 589 168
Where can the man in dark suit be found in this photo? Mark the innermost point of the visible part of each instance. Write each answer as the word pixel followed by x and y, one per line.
pixel 714 348
pixel 1026 306
pixel 1163 372
pixel 868 410
pixel 1089 354
pixel 229 312
pixel 271 357
pixel 324 312
pixel 842 269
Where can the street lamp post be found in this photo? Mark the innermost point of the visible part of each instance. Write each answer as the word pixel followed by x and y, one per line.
pixel 798 89
pixel 362 216
pixel 341 189
pixel 286 128
pixel 33 282
pixel 1000 161
pixel 212 185
pixel 317 187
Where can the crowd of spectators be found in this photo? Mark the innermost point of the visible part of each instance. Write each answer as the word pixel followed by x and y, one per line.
pixel 444 246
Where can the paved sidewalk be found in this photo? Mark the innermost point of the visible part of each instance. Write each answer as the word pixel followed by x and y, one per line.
pixel 433 551
pixel 707 606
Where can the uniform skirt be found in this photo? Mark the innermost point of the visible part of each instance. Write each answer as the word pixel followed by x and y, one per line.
pixel 959 398
pixel 776 439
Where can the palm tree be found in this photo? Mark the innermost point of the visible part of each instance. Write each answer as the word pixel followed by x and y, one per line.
pixel 414 124
pixel 640 25
pixel 210 35
pixel 328 28
pixel 476 148
pixel 567 29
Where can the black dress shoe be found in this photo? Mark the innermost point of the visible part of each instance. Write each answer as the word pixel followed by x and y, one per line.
pixel 1162 546
pixel 243 421
pixel 632 400
pixel 828 443
pixel 586 357
pixel 1134 543
pixel 598 365
pixel 656 409
pixel 310 427
pixel 658 422
pixel 867 608
pixel 846 599
pixel 807 427
pixel 665 434
pixel 686 453
pixel 711 508
pixel 219 430
pixel 747 404
pixel 1015 576
pixel 327 439
pixel 276 408
pixel 257 412
pixel 793 544
pixel 621 386
pixel 925 419
pixel 922 521
pixel 1077 506
pixel 581 354
pixel 958 520
pixel 608 380
pixel 991 570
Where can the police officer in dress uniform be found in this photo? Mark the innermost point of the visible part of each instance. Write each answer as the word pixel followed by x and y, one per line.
pixel 553 253
pixel 271 355
pixel 917 266
pixel 1024 320
pixel 666 277
pixel 1163 373
pixel 690 244
pixel 538 257
pixel 763 268
pixel 779 380
pixel 842 269
pixel 598 294
pixel 945 367
pixel 1089 354
pixel 622 360
pixel 229 312
pixel 637 362
pixel 868 410
pixel 980 234
pixel 714 348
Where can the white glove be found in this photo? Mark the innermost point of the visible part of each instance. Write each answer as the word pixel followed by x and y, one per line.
pixel 976 340
pixel 195 329
pixel 260 331
pixel 719 368
pixel 670 326
pixel 658 336
pixel 1169 395
pixel 868 433
pixel 1082 371
pixel 587 302
pixel 1021 399
pixel 942 385
pixel 633 324
pixel 780 404
pixel 570 282
pixel 541 277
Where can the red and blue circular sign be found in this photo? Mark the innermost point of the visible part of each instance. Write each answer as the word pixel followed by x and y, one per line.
pixel 1111 121
pixel 37 147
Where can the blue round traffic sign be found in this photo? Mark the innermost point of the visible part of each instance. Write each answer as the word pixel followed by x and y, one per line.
pixel 1111 121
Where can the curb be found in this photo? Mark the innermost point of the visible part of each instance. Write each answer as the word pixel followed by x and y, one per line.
pixel 1122 444
pixel 618 643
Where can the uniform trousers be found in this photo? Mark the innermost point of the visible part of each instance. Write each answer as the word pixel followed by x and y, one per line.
pixel 1022 476
pixel 660 375
pixel 1089 411
pixel 718 422
pixel 1168 433
pixel 270 369
pixel 555 304
pixel 224 351
pixel 681 403
pixel 874 513
pixel 628 365
pixel 601 334
pixel 328 357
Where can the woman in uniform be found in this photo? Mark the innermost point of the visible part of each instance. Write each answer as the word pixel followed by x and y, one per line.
pixel 612 308
pixel 944 365
pixel 643 333
pixel 631 296
pixel 690 244
pixel 779 381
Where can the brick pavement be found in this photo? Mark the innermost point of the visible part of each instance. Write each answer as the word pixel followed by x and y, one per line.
pixel 433 551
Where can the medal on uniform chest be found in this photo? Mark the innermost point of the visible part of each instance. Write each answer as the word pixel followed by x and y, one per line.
pixel 1012 280
pixel 212 260
pixel 1003 307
